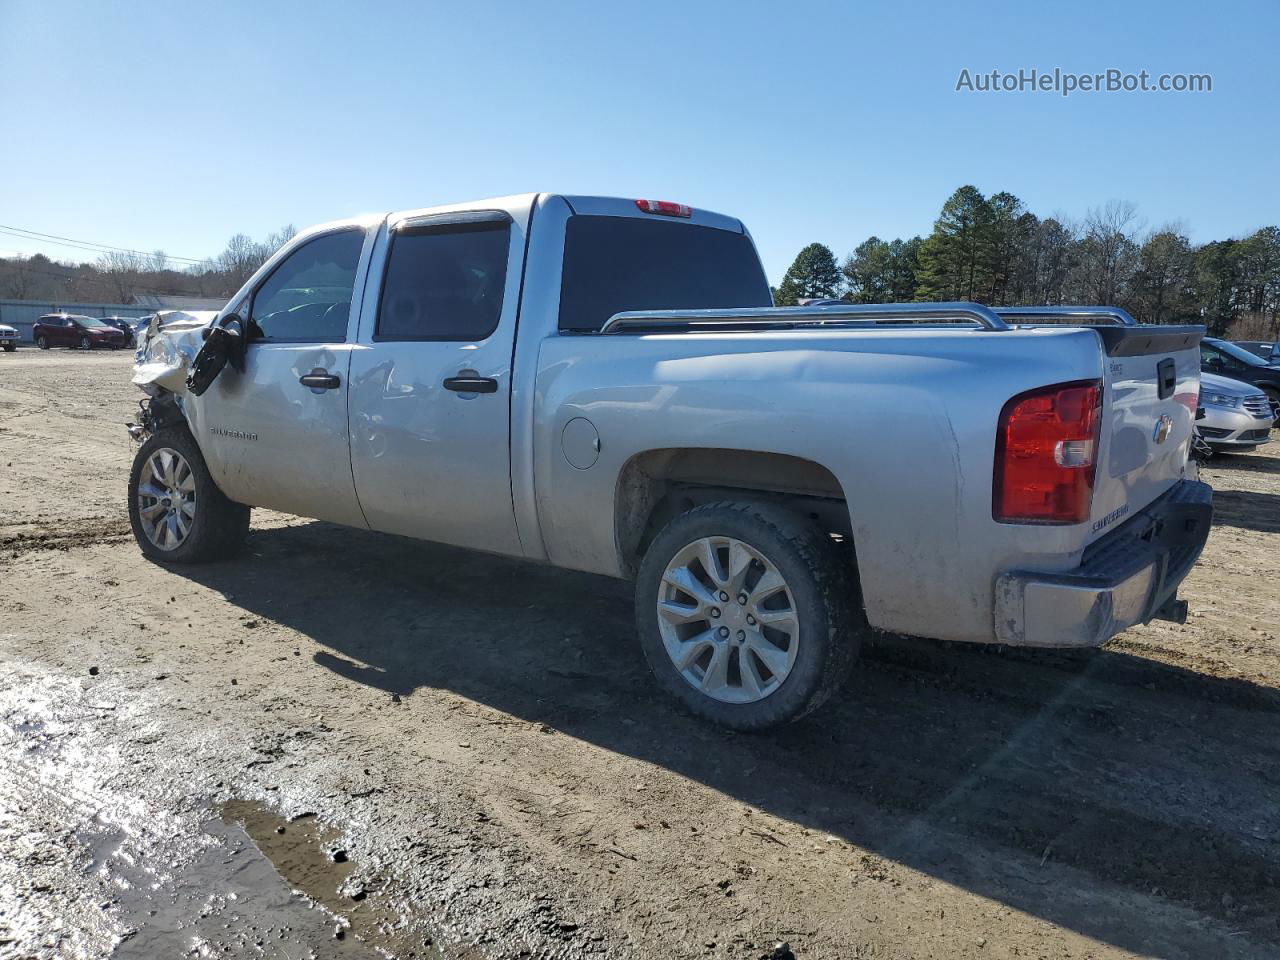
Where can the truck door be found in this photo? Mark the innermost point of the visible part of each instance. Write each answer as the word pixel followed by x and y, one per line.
pixel 275 435
pixel 431 382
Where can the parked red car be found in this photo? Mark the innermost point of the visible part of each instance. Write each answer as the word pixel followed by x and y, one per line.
pixel 72 330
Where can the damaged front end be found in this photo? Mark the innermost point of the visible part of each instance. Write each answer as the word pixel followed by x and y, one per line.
pixel 180 355
pixel 168 353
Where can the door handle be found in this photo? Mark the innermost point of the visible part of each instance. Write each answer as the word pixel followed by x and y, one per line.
pixel 320 379
pixel 471 384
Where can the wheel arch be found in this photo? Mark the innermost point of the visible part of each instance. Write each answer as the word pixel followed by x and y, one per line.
pixel 656 485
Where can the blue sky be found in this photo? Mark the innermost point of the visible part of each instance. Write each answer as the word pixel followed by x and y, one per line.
pixel 174 125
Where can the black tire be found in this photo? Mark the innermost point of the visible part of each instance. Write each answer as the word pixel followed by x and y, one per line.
pixel 86 343
pixel 10 348
pixel 220 525
pixel 42 342
pixel 823 589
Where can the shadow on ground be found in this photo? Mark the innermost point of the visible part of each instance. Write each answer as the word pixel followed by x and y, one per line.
pixel 1245 462
pixel 970 764
pixel 1247 510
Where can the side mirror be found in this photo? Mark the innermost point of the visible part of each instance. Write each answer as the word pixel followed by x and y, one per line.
pixel 231 320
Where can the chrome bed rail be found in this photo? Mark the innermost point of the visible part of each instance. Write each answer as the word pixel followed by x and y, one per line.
pixel 1082 315
pixel 816 317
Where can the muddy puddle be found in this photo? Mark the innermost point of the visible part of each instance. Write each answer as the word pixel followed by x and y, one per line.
pixel 264 886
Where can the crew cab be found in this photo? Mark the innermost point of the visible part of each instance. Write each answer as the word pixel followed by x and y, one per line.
pixel 604 385
pixel 73 330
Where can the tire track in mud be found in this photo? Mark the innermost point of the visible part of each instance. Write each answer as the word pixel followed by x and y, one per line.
pixel 87 533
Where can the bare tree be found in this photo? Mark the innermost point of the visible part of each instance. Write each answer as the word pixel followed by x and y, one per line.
pixel 18 277
pixel 1108 256
pixel 239 259
pixel 278 239
pixel 122 268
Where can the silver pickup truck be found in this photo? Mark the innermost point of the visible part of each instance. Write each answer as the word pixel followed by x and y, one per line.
pixel 605 385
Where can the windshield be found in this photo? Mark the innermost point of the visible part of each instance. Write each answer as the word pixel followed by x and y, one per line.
pixel 1239 353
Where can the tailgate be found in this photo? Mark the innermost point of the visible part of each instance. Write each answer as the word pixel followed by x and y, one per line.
pixel 1151 378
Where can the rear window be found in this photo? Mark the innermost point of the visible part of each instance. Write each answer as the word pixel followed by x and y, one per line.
pixel 612 264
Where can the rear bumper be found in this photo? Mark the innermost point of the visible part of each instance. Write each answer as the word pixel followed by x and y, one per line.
pixel 1128 577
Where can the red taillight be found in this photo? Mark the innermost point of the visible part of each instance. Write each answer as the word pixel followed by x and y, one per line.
pixel 665 208
pixel 1046 454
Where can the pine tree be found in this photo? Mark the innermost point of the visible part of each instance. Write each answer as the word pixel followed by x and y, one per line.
pixel 866 271
pixel 813 274
pixel 1163 279
pixel 1004 239
pixel 880 272
pixel 900 271
pixel 954 264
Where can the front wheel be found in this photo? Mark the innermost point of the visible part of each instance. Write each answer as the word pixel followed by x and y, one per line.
pixel 745 614
pixel 177 512
pixel 10 348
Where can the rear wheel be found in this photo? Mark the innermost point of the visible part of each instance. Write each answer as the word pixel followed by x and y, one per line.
pixel 745 615
pixel 42 342
pixel 177 512
pixel 10 348
pixel 84 343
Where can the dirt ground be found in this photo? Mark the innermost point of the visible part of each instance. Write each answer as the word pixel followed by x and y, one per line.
pixel 346 744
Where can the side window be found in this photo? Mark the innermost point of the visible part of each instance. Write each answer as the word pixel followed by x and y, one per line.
pixel 308 296
pixel 1209 355
pixel 444 281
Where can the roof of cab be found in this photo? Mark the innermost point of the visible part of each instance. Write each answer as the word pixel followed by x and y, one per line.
pixel 578 204
pixel 622 207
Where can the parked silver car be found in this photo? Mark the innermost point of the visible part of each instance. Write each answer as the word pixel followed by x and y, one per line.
pixel 8 338
pixel 1237 415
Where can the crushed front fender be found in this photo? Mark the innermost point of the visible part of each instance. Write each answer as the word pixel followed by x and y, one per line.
pixel 168 348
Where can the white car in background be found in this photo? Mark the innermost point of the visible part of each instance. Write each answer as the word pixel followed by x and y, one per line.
pixel 1237 415
pixel 8 338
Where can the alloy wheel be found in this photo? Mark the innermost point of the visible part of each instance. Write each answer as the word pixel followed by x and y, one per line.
pixel 166 498
pixel 728 620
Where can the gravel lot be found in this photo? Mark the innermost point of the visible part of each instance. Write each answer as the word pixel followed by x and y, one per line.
pixel 434 753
